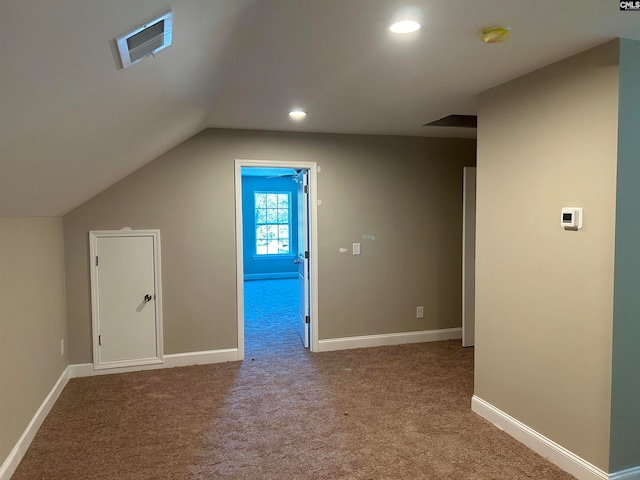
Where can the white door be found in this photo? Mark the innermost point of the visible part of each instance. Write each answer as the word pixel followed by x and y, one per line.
pixel 309 270
pixel 304 317
pixel 469 257
pixel 125 297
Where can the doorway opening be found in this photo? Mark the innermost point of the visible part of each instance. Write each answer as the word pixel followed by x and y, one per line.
pixel 276 238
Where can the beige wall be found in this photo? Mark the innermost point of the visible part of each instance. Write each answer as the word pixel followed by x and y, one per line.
pixel 544 296
pixel 407 192
pixel 32 320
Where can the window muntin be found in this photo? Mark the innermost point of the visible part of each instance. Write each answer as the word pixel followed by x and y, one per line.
pixel 272 214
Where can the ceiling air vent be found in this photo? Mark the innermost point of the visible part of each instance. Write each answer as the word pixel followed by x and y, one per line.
pixel 464 121
pixel 145 40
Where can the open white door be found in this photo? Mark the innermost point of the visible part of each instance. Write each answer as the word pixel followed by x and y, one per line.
pixel 308 267
pixel 304 317
pixel 125 295
pixel 469 257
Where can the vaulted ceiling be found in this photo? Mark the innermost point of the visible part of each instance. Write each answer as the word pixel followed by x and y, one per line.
pixel 72 123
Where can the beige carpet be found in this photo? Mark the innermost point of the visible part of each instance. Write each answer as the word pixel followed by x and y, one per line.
pixel 400 412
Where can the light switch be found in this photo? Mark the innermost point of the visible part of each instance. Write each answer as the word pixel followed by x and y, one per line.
pixel 356 249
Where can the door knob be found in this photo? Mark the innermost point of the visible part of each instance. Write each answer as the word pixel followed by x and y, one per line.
pixel 296 261
pixel 147 297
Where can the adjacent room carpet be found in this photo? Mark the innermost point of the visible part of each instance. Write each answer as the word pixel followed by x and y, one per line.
pixel 400 412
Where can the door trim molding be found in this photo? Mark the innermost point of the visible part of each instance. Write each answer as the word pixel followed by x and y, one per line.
pixel 312 168
pixel 94 235
pixel 468 255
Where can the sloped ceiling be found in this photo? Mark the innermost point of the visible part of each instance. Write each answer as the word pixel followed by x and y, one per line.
pixel 72 123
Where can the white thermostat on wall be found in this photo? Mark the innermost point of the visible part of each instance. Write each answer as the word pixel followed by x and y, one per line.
pixel 571 218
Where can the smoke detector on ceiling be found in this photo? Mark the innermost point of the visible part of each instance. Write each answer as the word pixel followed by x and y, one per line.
pixel 147 39
pixel 495 35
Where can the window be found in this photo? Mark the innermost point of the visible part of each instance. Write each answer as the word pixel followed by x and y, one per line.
pixel 272 223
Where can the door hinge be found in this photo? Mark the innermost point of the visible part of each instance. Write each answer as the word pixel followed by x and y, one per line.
pixel 96 260
pixel 100 340
pixel 307 319
pixel 306 254
pixel 306 189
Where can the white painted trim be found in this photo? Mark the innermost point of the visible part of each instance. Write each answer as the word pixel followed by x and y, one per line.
pixel 128 363
pixel 87 370
pixel 312 168
pixel 389 339
pixel 239 260
pixel 270 276
pixel 628 474
pixel 555 453
pixel 170 361
pixel 468 256
pixel 94 235
pixel 13 460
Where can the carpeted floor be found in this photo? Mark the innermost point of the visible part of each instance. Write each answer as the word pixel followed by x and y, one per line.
pixel 400 412
pixel 271 313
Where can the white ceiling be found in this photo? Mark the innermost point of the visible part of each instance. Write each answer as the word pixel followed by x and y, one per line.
pixel 72 124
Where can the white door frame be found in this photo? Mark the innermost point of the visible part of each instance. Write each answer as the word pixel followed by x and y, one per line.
pixel 469 257
pixel 312 168
pixel 94 235
pixel 302 227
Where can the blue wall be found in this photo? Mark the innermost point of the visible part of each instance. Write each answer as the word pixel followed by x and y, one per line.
pixel 272 266
pixel 625 395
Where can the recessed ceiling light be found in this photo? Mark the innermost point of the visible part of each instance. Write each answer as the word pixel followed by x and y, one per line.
pixel 405 26
pixel 297 114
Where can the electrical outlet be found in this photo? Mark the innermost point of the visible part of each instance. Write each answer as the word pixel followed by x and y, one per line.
pixel 420 312
pixel 356 249
pixel 62 347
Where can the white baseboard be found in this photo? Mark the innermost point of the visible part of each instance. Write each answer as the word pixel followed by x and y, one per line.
pixel 13 460
pixel 555 453
pixel 86 370
pixel 170 361
pixel 388 339
pixel 629 474
pixel 568 461
pixel 270 276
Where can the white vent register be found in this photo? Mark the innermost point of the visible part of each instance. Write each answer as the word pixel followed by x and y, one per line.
pixel 145 40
